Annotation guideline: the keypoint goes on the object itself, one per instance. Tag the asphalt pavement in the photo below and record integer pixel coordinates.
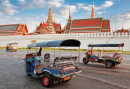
(93, 76)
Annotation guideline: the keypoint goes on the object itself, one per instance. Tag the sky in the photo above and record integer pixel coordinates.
(32, 12)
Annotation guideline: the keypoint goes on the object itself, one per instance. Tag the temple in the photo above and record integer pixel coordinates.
(88, 25)
(13, 29)
(49, 27)
(122, 31)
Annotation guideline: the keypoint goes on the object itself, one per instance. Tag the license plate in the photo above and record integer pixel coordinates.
(67, 78)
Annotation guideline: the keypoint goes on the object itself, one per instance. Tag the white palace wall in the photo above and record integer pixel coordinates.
(85, 39)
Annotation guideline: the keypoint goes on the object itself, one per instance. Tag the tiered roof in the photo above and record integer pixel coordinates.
(88, 25)
(123, 31)
(9, 27)
(13, 29)
(83, 25)
(105, 25)
(89, 22)
(49, 27)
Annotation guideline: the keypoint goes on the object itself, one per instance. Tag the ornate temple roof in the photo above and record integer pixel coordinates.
(48, 27)
(105, 24)
(13, 29)
(88, 25)
(68, 26)
(89, 22)
(9, 27)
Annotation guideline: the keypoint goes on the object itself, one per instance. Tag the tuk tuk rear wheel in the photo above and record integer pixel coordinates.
(85, 60)
(47, 80)
(109, 64)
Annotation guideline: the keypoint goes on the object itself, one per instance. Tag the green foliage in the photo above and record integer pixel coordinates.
(73, 50)
(2, 47)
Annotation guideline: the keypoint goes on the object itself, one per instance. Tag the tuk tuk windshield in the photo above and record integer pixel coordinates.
(31, 51)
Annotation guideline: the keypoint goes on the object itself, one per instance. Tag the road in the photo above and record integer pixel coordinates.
(94, 75)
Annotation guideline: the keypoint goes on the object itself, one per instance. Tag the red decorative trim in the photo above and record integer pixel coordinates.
(104, 31)
(86, 32)
(68, 26)
(86, 29)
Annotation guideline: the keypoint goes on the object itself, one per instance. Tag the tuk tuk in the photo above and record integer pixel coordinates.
(12, 47)
(61, 69)
(109, 61)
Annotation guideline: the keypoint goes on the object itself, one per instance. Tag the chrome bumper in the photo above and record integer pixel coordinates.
(63, 76)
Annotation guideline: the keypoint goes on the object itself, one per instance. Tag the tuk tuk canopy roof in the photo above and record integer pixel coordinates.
(58, 43)
(106, 45)
(12, 43)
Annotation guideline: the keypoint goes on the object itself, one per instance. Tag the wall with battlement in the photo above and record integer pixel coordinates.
(85, 39)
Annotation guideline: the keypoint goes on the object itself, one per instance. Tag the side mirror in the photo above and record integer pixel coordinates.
(24, 58)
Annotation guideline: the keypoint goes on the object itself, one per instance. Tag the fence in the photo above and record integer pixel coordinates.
(85, 39)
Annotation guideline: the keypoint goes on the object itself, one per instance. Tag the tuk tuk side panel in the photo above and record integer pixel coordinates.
(51, 71)
(57, 72)
(112, 59)
(71, 71)
(30, 65)
(86, 55)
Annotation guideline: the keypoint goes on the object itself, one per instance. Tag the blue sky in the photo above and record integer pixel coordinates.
(35, 11)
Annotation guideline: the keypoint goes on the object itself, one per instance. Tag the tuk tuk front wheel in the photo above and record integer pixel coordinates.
(85, 60)
(109, 64)
(47, 80)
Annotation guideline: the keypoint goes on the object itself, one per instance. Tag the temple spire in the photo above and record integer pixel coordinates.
(50, 19)
(93, 13)
(50, 22)
(69, 20)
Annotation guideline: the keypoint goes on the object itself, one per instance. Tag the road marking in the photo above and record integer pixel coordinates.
(106, 69)
(101, 80)
(125, 64)
(3, 55)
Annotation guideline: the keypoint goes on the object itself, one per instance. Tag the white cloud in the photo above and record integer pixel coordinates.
(82, 6)
(89, 7)
(55, 3)
(88, 13)
(42, 15)
(121, 19)
(21, 0)
(101, 12)
(32, 4)
(64, 11)
(61, 14)
(7, 8)
(107, 4)
(32, 22)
